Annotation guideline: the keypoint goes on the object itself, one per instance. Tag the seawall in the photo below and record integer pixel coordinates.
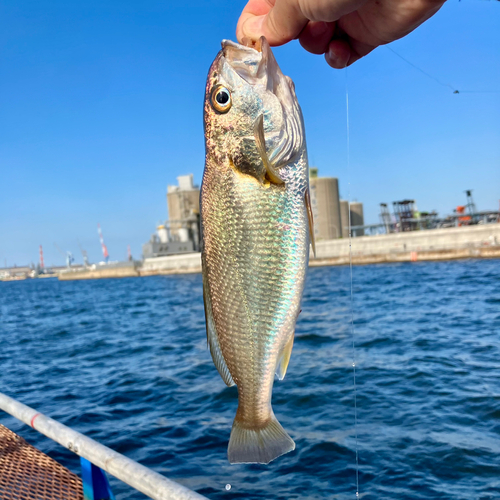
(172, 264)
(125, 270)
(481, 241)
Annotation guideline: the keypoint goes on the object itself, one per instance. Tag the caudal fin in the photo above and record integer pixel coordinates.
(258, 446)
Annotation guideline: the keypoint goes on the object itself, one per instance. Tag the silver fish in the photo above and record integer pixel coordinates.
(256, 229)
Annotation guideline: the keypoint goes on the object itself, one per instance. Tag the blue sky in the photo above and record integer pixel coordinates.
(101, 108)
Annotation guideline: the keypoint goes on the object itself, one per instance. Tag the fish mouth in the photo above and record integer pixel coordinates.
(254, 62)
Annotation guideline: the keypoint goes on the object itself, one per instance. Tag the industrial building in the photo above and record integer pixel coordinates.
(325, 203)
(183, 202)
(331, 214)
(357, 218)
(407, 218)
(181, 232)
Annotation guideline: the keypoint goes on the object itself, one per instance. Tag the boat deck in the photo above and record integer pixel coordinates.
(28, 474)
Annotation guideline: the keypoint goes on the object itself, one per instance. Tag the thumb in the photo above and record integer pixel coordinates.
(281, 24)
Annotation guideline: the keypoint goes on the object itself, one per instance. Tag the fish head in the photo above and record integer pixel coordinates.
(245, 85)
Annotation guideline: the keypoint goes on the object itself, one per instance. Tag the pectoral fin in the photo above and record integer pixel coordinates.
(212, 339)
(260, 142)
(284, 359)
(307, 201)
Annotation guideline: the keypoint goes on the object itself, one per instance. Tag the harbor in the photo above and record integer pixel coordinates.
(250, 252)
(405, 235)
(472, 242)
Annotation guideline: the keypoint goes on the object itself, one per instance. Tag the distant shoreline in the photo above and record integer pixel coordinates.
(459, 243)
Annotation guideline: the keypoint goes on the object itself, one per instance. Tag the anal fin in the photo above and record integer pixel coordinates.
(284, 359)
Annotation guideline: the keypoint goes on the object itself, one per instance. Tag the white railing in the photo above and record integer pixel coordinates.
(141, 478)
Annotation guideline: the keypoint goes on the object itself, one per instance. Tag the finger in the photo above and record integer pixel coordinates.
(338, 54)
(282, 23)
(253, 9)
(316, 36)
(343, 52)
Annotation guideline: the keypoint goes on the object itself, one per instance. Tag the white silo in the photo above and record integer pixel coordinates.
(162, 233)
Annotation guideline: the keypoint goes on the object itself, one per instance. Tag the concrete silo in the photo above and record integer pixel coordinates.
(357, 218)
(344, 218)
(326, 207)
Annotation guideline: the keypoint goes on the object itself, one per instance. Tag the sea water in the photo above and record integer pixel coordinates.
(126, 363)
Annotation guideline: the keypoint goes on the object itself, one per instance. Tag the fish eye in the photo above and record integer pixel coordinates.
(221, 99)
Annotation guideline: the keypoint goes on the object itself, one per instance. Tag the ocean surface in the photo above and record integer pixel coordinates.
(126, 362)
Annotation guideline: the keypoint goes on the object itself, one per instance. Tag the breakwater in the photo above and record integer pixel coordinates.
(481, 241)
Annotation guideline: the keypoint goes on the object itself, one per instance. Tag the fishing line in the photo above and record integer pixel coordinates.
(350, 271)
(421, 70)
(455, 90)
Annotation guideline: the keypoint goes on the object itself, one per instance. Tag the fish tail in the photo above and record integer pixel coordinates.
(253, 445)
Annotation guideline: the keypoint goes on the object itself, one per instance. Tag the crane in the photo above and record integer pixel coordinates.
(84, 255)
(69, 256)
(103, 246)
(42, 265)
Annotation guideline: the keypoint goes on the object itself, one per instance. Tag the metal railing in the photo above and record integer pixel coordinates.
(141, 478)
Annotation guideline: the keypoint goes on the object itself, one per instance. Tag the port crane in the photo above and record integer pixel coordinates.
(68, 256)
(84, 255)
(103, 246)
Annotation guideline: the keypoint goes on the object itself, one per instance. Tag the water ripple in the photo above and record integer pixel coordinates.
(125, 361)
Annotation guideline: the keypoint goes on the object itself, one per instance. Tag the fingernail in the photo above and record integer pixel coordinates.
(336, 60)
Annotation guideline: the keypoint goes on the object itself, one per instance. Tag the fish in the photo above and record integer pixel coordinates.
(257, 228)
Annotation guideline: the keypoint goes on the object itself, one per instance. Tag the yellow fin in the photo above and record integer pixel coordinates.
(258, 445)
(284, 359)
(260, 142)
(212, 339)
(307, 201)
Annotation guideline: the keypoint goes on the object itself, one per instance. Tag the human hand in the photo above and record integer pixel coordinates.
(343, 30)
